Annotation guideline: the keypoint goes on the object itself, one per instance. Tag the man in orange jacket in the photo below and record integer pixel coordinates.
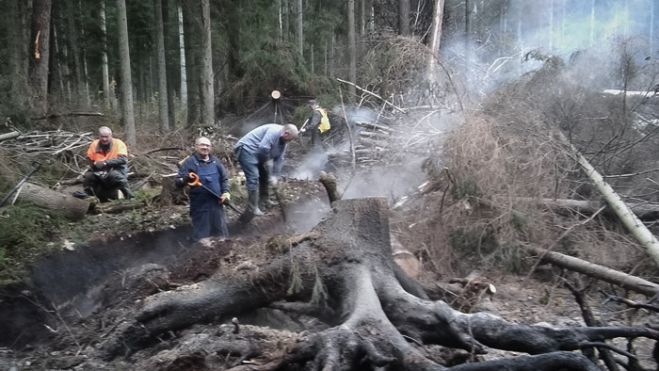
(108, 171)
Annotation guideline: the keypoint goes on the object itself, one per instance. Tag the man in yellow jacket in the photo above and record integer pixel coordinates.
(108, 172)
(318, 123)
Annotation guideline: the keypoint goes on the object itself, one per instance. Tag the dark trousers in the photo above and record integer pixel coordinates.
(208, 220)
(104, 184)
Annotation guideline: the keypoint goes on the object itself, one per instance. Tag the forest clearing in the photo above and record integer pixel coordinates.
(456, 185)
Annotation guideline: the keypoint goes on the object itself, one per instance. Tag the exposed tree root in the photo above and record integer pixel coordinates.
(378, 318)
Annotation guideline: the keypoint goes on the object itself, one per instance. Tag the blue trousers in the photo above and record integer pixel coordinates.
(256, 174)
(208, 221)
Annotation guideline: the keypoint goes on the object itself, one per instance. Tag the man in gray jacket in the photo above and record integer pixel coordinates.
(267, 143)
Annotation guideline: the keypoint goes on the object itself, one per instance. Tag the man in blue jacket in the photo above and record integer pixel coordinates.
(206, 209)
(267, 143)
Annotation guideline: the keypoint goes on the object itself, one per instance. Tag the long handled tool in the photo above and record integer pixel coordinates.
(196, 182)
(20, 183)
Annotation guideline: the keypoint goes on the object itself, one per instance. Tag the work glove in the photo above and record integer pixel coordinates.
(225, 197)
(273, 181)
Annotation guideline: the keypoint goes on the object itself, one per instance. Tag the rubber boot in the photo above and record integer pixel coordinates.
(253, 200)
(126, 191)
(264, 198)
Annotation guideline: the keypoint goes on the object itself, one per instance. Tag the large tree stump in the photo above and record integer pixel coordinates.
(375, 315)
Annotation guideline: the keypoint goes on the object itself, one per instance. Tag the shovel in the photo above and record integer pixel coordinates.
(196, 182)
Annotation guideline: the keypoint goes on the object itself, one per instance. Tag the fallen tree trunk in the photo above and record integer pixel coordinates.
(69, 206)
(645, 211)
(345, 273)
(626, 215)
(606, 274)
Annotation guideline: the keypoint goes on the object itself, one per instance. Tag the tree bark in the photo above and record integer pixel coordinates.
(105, 72)
(600, 272)
(73, 47)
(163, 104)
(299, 28)
(644, 211)
(18, 55)
(352, 50)
(170, 26)
(39, 55)
(633, 224)
(280, 21)
(191, 15)
(404, 17)
(184, 77)
(127, 112)
(207, 88)
(70, 207)
(435, 37)
(343, 272)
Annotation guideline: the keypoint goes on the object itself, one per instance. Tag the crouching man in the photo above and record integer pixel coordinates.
(108, 172)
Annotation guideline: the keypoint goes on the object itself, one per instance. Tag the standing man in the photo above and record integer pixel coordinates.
(258, 149)
(108, 172)
(317, 123)
(206, 198)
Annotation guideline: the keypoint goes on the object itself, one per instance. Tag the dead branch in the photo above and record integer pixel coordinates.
(373, 94)
(10, 135)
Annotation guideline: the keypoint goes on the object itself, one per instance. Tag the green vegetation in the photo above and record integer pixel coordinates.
(24, 235)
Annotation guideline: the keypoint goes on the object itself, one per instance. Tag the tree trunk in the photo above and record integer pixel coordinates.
(184, 78)
(286, 15)
(370, 16)
(299, 35)
(362, 18)
(84, 73)
(343, 273)
(170, 26)
(233, 35)
(56, 65)
(73, 46)
(404, 17)
(191, 22)
(18, 57)
(207, 91)
(435, 37)
(600, 272)
(39, 55)
(107, 101)
(127, 113)
(70, 207)
(633, 224)
(644, 210)
(280, 21)
(352, 50)
(163, 104)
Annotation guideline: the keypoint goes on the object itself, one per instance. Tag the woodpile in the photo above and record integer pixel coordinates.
(51, 142)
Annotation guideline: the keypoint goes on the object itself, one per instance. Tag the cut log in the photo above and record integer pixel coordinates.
(70, 207)
(606, 274)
